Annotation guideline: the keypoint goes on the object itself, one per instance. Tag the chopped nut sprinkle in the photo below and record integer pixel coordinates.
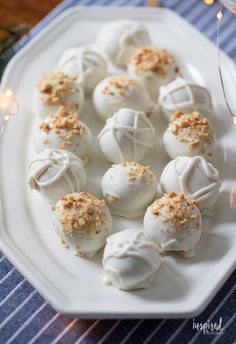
(55, 86)
(121, 83)
(111, 198)
(139, 172)
(81, 211)
(64, 124)
(154, 60)
(193, 129)
(177, 209)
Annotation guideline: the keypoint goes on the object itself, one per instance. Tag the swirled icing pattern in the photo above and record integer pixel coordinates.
(86, 63)
(184, 95)
(194, 177)
(55, 172)
(139, 133)
(130, 260)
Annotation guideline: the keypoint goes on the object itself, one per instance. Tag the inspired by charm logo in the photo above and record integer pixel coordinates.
(208, 327)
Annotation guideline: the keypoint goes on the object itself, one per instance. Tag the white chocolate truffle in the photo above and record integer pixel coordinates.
(130, 260)
(54, 90)
(184, 96)
(129, 188)
(86, 63)
(127, 136)
(153, 68)
(119, 39)
(83, 223)
(189, 134)
(174, 223)
(55, 173)
(116, 92)
(64, 130)
(195, 178)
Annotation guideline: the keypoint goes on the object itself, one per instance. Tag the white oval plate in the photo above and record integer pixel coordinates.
(72, 285)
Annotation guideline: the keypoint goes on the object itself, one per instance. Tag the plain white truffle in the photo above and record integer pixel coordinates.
(174, 223)
(128, 189)
(56, 172)
(116, 92)
(194, 177)
(189, 135)
(82, 222)
(64, 130)
(54, 90)
(184, 95)
(130, 260)
(86, 63)
(153, 68)
(127, 136)
(118, 40)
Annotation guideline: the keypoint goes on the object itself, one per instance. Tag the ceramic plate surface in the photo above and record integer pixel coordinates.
(73, 286)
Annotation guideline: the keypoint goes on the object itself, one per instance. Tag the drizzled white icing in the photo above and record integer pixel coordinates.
(190, 94)
(86, 63)
(134, 134)
(70, 174)
(119, 39)
(126, 250)
(207, 175)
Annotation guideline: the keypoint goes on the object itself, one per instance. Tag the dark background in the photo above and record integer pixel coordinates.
(13, 12)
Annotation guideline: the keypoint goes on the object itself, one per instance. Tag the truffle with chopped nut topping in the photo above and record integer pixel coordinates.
(153, 68)
(119, 39)
(86, 63)
(56, 172)
(129, 188)
(127, 136)
(64, 130)
(195, 178)
(184, 95)
(116, 92)
(130, 260)
(189, 134)
(174, 223)
(83, 222)
(54, 90)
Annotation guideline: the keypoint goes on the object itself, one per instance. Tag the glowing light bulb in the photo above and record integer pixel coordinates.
(8, 93)
(8, 104)
(209, 2)
(219, 15)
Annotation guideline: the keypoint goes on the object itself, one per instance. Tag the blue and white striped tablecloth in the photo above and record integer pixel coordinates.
(25, 317)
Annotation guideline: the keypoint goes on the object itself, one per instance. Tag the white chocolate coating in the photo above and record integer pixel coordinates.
(54, 90)
(130, 260)
(170, 238)
(83, 241)
(79, 144)
(114, 93)
(184, 95)
(56, 172)
(179, 144)
(194, 177)
(86, 63)
(129, 189)
(118, 40)
(127, 136)
(152, 76)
